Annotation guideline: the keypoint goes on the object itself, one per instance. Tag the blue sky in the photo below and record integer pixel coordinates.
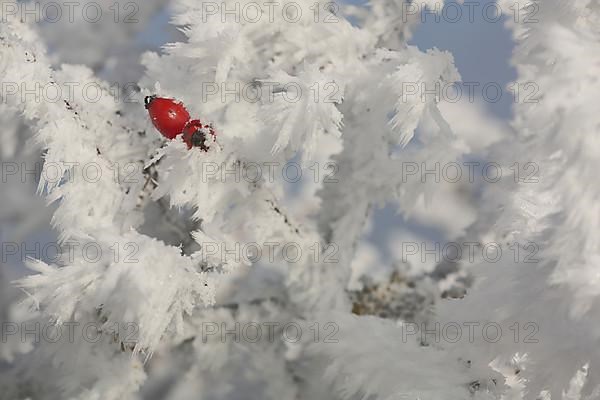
(481, 49)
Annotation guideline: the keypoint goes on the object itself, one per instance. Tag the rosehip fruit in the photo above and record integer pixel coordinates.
(167, 115)
(196, 135)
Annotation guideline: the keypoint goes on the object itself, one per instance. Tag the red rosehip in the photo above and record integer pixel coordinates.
(168, 115)
(195, 134)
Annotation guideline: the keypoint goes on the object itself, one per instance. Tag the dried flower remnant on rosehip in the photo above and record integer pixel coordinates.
(195, 134)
